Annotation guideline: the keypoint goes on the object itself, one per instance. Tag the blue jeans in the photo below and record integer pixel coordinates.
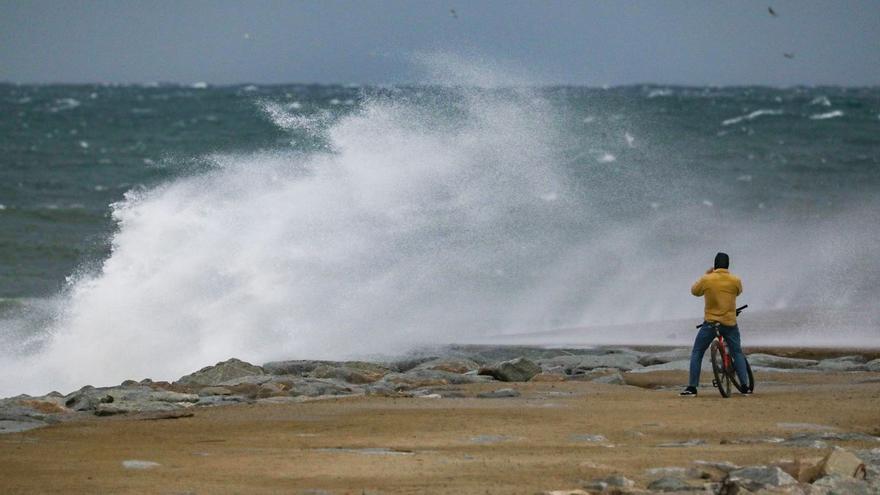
(704, 340)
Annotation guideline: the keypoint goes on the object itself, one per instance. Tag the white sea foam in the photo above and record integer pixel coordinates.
(827, 115)
(606, 158)
(751, 116)
(821, 100)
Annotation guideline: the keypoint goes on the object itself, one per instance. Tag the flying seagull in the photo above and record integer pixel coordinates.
(788, 55)
(453, 13)
(772, 12)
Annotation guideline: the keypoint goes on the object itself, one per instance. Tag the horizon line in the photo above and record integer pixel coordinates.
(205, 85)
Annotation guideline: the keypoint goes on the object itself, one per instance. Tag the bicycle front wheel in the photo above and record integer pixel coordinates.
(722, 378)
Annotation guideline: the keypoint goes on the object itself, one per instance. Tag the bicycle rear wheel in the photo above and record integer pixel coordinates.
(748, 387)
(722, 378)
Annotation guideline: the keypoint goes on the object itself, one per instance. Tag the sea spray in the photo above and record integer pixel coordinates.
(439, 214)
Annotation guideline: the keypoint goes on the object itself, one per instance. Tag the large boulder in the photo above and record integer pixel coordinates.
(316, 387)
(358, 373)
(451, 365)
(621, 360)
(114, 400)
(294, 367)
(754, 478)
(515, 370)
(841, 462)
(873, 365)
(771, 361)
(650, 359)
(26, 413)
(845, 363)
(426, 378)
(842, 485)
(221, 372)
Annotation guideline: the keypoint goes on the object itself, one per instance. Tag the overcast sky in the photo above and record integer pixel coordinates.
(581, 42)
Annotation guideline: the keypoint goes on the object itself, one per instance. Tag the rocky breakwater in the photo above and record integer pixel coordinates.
(440, 372)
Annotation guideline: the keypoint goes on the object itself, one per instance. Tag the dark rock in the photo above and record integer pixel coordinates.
(174, 414)
(515, 370)
(499, 394)
(674, 484)
(221, 372)
(222, 400)
(207, 391)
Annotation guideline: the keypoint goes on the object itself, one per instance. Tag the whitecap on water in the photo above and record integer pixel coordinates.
(744, 178)
(751, 116)
(606, 158)
(655, 93)
(821, 100)
(199, 85)
(827, 115)
(630, 140)
(706, 202)
(63, 104)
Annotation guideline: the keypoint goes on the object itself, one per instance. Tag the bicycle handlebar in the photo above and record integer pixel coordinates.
(738, 311)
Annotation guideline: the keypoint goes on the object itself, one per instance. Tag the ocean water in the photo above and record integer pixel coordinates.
(149, 230)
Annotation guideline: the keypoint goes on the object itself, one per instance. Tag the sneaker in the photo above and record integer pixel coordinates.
(689, 392)
(746, 393)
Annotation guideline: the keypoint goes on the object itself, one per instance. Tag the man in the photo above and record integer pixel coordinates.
(720, 288)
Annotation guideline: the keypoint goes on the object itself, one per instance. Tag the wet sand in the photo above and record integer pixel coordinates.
(527, 444)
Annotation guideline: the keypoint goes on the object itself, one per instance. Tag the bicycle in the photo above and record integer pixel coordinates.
(722, 364)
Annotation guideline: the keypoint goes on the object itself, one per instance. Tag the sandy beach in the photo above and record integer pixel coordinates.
(556, 435)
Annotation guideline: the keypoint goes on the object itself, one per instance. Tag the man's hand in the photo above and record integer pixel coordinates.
(710, 270)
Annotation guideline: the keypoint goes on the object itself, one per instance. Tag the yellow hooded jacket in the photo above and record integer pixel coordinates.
(720, 288)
